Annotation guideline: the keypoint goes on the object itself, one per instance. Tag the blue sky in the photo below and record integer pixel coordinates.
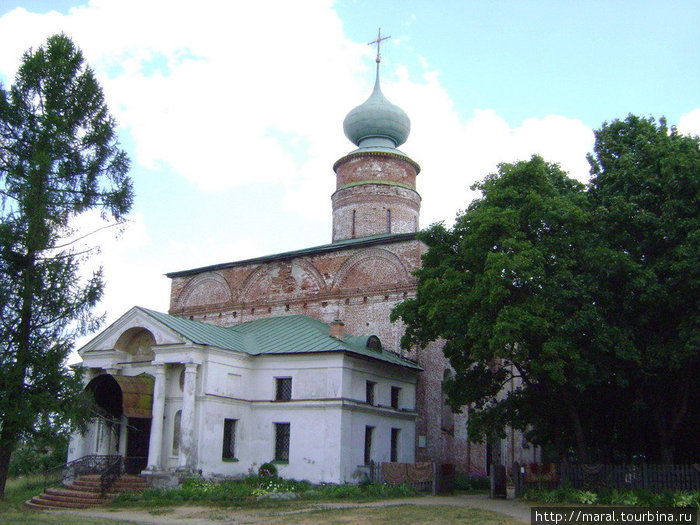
(232, 111)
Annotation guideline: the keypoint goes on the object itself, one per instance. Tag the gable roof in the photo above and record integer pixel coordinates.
(290, 334)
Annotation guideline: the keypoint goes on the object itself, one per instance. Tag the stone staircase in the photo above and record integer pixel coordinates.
(84, 492)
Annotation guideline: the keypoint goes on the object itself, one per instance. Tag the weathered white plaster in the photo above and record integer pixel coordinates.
(327, 413)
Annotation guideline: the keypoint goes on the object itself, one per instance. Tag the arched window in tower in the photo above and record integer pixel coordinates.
(388, 221)
(448, 417)
(354, 212)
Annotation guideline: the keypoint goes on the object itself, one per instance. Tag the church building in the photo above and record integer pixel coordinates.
(291, 357)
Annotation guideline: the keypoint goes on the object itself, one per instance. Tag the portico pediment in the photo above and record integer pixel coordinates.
(134, 320)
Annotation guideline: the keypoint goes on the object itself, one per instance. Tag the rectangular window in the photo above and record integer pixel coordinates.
(395, 396)
(283, 388)
(369, 392)
(368, 444)
(281, 441)
(176, 433)
(395, 444)
(229, 449)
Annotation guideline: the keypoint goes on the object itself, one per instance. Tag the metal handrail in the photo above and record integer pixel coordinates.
(110, 475)
(90, 464)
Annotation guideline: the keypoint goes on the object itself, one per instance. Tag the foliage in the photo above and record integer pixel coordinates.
(267, 470)
(570, 312)
(506, 291)
(39, 455)
(644, 192)
(253, 489)
(641, 498)
(464, 482)
(59, 157)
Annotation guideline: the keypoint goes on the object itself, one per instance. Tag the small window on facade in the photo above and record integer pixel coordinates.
(388, 221)
(369, 392)
(368, 444)
(229, 450)
(176, 432)
(395, 396)
(395, 444)
(281, 441)
(283, 388)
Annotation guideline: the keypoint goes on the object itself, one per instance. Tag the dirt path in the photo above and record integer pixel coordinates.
(215, 515)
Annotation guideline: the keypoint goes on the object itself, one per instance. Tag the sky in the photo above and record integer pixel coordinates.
(231, 112)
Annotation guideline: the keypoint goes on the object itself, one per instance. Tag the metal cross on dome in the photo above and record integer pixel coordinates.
(378, 41)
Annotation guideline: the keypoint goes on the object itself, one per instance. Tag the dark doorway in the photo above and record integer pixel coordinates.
(137, 438)
(130, 396)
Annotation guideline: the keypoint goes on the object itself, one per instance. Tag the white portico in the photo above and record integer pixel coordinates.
(178, 396)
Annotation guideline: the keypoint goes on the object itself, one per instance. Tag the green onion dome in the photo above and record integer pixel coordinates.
(377, 122)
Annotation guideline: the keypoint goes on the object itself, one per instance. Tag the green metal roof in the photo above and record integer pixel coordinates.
(363, 242)
(290, 334)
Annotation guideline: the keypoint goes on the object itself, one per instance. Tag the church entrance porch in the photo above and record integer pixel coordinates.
(123, 424)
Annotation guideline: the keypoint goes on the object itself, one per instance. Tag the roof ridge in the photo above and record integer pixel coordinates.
(281, 334)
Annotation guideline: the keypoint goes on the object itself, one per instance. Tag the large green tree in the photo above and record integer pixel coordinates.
(645, 192)
(509, 289)
(581, 302)
(59, 157)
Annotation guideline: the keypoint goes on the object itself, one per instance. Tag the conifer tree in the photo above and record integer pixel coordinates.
(59, 157)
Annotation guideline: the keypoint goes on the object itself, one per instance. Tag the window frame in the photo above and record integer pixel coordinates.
(394, 447)
(228, 453)
(395, 397)
(281, 393)
(370, 392)
(369, 431)
(283, 431)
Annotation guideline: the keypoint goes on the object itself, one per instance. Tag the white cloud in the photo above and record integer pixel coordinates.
(689, 123)
(227, 95)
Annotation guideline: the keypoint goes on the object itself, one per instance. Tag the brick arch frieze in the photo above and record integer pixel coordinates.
(205, 289)
(283, 279)
(374, 267)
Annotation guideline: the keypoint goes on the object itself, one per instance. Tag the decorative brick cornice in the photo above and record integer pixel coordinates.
(377, 181)
(385, 154)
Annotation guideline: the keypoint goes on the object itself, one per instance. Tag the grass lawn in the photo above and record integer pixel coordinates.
(14, 512)
(409, 514)
(311, 510)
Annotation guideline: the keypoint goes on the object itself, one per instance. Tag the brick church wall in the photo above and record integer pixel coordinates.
(360, 286)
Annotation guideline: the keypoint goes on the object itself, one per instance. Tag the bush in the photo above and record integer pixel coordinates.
(642, 498)
(38, 457)
(253, 489)
(465, 482)
(361, 492)
(268, 470)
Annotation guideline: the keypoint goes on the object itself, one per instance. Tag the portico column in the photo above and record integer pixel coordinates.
(187, 427)
(156, 441)
(122, 435)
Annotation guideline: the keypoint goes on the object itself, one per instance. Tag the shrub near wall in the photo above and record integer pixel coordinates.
(254, 489)
(619, 497)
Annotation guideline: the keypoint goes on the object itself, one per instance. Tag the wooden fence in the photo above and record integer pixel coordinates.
(655, 478)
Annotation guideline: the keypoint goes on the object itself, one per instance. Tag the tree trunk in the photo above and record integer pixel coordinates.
(6, 446)
(578, 433)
